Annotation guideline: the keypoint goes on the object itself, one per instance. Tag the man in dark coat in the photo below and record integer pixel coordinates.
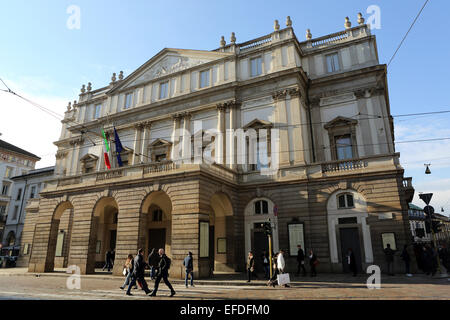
(153, 260)
(389, 254)
(138, 273)
(163, 273)
(406, 259)
(351, 262)
(108, 263)
(188, 264)
(301, 260)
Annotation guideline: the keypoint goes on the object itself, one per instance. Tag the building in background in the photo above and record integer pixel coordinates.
(25, 192)
(444, 235)
(14, 161)
(336, 182)
(417, 225)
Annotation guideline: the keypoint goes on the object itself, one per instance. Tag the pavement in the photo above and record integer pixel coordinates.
(17, 283)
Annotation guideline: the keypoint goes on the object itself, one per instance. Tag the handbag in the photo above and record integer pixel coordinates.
(125, 271)
(283, 279)
(315, 263)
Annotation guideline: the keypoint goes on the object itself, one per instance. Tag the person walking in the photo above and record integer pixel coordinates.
(138, 273)
(188, 263)
(163, 273)
(300, 260)
(444, 255)
(108, 257)
(266, 264)
(281, 264)
(273, 281)
(129, 270)
(153, 260)
(313, 262)
(251, 266)
(351, 262)
(389, 255)
(406, 259)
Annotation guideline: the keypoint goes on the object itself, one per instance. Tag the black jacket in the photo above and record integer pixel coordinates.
(300, 255)
(138, 266)
(163, 264)
(153, 258)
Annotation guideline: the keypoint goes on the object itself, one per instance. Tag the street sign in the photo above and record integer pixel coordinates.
(426, 197)
(429, 210)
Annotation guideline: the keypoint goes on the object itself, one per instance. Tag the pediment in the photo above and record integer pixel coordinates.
(340, 122)
(168, 61)
(257, 123)
(89, 157)
(160, 142)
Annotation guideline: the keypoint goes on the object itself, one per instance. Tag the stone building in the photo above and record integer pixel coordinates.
(326, 175)
(14, 161)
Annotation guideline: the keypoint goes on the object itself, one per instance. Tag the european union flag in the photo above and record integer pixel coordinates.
(119, 147)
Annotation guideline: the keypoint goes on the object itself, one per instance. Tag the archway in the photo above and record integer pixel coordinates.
(221, 235)
(157, 222)
(11, 239)
(104, 232)
(53, 244)
(258, 211)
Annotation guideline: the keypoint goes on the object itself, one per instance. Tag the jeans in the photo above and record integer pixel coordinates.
(163, 276)
(127, 280)
(191, 272)
(266, 271)
(152, 272)
(141, 280)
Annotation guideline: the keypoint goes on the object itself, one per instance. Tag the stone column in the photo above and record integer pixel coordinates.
(145, 139)
(281, 123)
(186, 137)
(220, 152)
(137, 144)
(77, 144)
(297, 141)
(175, 138)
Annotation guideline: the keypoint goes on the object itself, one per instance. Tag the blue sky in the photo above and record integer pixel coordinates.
(47, 62)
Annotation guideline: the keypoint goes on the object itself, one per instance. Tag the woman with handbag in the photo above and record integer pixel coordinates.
(313, 262)
(127, 271)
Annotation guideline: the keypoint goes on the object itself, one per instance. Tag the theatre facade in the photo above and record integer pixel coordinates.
(324, 171)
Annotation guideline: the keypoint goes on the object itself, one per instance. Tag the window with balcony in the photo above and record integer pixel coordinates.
(8, 172)
(19, 194)
(342, 135)
(163, 90)
(204, 78)
(255, 66)
(258, 144)
(89, 163)
(332, 62)
(159, 150)
(97, 110)
(345, 201)
(343, 147)
(128, 98)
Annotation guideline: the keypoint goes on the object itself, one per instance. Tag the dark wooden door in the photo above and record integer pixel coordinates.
(260, 244)
(112, 239)
(211, 249)
(157, 239)
(350, 239)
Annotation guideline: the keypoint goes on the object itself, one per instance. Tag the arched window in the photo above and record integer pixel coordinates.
(345, 201)
(157, 214)
(11, 239)
(261, 207)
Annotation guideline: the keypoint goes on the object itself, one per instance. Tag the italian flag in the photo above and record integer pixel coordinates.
(107, 163)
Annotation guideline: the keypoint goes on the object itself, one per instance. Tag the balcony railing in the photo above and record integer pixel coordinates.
(255, 43)
(407, 182)
(330, 39)
(158, 167)
(343, 165)
(109, 175)
(68, 181)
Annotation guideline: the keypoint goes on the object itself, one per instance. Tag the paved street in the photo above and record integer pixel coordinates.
(18, 285)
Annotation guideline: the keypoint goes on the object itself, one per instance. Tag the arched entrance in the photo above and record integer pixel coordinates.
(258, 211)
(157, 222)
(10, 239)
(219, 234)
(53, 244)
(104, 231)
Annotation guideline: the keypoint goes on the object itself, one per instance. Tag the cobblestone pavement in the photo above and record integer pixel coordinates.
(17, 285)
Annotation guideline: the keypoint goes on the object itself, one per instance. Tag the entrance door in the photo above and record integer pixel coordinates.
(350, 239)
(260, 243)
(157, 239)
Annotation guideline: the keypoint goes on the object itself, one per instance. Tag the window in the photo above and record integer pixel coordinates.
(157, 215)
(344, 147)
(5, 189)
(97, 110)
(16, 211)
(60, 244)
(19, 194)
(296, 237)
(32, 192)
(160, 157)
(332, 62)
(345, 201)
(261, 207)
(8, 172)
(350, 220)
(163, 89)
(204, 79)
(2, 209)
(204, 240)
(255, 66)
(128, 97)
